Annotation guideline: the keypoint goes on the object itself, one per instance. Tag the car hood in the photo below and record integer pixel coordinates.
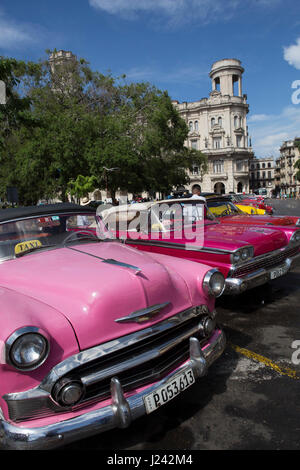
(91, 293)
(225, 236)
(258, 220)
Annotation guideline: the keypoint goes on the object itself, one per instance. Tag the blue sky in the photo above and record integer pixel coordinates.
(172, 44)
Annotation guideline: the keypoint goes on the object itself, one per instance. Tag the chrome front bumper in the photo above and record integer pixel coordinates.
(119, 414)
(234, 286)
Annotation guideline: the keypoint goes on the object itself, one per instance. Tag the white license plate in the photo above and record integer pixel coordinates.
(177, 384)
(278, 272)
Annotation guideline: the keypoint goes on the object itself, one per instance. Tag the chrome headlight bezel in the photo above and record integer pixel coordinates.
(208, 283)
(295, 238)
(242, 255)
(31, 334)
(298, 222)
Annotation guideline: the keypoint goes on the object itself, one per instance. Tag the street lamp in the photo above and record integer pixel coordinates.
(107, 170)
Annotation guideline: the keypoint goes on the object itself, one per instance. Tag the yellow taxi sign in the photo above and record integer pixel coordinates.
(28, 245)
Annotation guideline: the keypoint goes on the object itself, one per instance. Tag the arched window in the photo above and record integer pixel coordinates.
(220, 121)
(219, 188)
(191, 125)
(212, 122)
(240, 187)
(235, 120)
(196, 127)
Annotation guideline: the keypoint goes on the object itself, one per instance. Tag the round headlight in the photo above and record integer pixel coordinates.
(214, 283)
(295, 237)
(236, 257)
(28, 351)
(245, 254)
(209, 325)
(68, 392)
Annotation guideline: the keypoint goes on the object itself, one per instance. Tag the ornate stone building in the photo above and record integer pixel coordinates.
(262, 174)
(218, 127)
(285, 177)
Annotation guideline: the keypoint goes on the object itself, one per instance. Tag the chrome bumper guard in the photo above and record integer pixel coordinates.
(119, 414)
(238, 285)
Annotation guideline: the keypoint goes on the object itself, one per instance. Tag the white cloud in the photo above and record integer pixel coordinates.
(179, 11)
(292, 54)
(259, 117)
(14, 35)
(268, 135)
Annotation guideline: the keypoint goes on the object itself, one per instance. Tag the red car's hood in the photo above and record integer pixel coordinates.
(258, 220)
(228, 237)
(232, 237)
(91, 293)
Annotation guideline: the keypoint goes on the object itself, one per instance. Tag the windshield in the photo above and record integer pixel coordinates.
(173, 216)
(159, 217)
(27, 235)
(238, 198)
(223, 208)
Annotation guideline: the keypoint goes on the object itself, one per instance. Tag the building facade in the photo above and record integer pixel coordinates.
(285, 175)
(218, 128)
(262, 174)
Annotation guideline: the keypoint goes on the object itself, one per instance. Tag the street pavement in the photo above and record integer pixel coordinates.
(250, 398)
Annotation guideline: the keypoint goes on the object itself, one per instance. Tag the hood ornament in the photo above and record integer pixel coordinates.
(142, 315)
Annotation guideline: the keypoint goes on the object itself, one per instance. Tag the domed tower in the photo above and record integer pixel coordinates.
(218, 128)
(225, 75)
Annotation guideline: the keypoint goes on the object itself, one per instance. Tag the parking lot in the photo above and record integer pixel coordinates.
(250, 397)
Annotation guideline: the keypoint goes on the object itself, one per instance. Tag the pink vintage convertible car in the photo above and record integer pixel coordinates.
(247, 256)
(93, 333)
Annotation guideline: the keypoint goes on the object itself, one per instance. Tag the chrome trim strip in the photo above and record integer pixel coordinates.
(96, 352)
(264, 256)
(178, 246)
(149, 354)
(120, 413)
(257, 278)
(144, 314)
(106, 260)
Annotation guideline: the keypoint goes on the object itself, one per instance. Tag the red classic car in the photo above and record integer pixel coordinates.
(228, 213)
(247, 256)
(247, 200)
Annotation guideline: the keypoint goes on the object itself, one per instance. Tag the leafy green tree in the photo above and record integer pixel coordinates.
(82, 186)
(144, 139)
(14, 112)
(75, 123)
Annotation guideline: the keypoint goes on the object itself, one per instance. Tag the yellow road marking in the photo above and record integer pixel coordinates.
(257, 357)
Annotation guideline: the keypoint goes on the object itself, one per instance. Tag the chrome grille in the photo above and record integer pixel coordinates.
(139, 364)
(266, 262)
(139, 359)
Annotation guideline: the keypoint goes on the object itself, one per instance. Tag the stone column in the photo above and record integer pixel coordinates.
(240, 86)
(2, 92)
